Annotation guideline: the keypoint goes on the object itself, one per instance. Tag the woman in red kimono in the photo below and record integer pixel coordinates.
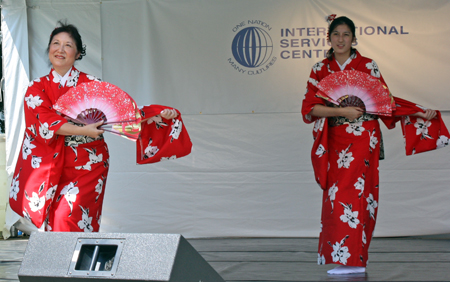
(61, 173)
(346, 155)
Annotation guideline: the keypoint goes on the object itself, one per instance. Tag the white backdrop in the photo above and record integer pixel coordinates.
(250, 172)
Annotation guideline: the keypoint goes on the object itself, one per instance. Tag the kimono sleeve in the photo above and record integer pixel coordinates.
(42, 121)
(402, 108)
(310, 99)
(161, 139)
(424, 135)
(420, 135)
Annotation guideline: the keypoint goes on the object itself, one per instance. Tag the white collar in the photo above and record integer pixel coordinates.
(63, 79)
(344, 64)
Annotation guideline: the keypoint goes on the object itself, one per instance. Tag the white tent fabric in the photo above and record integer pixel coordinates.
(15, 73)
(249, 173)
(16, 77)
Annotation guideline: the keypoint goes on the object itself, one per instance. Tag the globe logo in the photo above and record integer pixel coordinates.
(252, 47)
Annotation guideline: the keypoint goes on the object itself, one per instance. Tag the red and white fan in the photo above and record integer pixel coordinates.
(94, 101)
(352, 88)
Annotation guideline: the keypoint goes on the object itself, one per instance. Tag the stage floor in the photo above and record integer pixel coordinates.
(295, 259)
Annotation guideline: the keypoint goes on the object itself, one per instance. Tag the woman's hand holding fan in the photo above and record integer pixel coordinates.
(156, 140)
(96, 101)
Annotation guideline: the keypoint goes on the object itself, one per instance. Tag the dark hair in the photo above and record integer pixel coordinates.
(336, 22)
(73, 32)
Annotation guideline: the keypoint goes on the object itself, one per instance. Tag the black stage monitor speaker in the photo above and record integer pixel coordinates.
(71, 257)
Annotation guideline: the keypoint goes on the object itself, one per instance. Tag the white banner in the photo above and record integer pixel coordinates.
(189, 53)
(250, 172)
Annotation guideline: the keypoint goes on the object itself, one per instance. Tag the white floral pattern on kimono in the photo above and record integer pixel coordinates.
(422, 128)
(33, 102)
(27, 147)
(150, 151)
(51, 192)
(332, 194)
(372, 205)
(99, 188)
(158, 120)
(14, 188)
(345, 158)
(320, 151)
(85, 222)
(350, 216)
(442, 141)
(355, 128)
(36, 202)
(168, 158)
(359, 185)
(340, 252)
(317, 67)
(36, 161)
(45, 132)
(69, 192)
(374, 69)
(93, 159)
(177, 126)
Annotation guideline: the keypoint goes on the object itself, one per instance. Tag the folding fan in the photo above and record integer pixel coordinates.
(94, 101)
(358, 89)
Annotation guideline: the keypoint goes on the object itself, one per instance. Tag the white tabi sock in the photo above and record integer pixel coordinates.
(344, 269)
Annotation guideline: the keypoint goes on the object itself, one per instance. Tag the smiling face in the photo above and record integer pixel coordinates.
(341, 39)
(62, 52)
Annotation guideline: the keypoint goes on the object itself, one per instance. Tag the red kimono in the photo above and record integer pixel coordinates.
(60, 180)
(345, 158)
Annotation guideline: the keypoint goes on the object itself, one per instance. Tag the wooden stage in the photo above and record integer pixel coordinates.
(294, 259)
